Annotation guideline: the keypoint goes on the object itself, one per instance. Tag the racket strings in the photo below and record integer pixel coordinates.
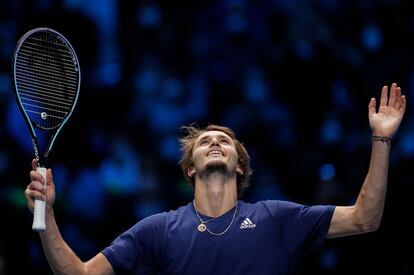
(44, 86)
(47, 79)
(50, 70)
(46, 96)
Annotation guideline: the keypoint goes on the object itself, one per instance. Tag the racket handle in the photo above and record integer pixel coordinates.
(39, 221)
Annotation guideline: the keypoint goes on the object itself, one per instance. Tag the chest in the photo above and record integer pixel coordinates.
(248, 244)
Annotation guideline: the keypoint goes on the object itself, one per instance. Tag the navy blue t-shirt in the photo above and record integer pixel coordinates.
(266, 237)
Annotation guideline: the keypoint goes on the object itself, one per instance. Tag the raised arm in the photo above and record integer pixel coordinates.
(60, 256)
(365, 215)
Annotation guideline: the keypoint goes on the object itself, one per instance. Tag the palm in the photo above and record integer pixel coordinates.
(386, 121)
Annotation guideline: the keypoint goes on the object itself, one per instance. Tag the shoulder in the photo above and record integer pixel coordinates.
(288, 208)
(161, 220)
(262, 205)
(261, 208)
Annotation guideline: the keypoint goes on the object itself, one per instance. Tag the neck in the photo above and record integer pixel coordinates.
(215, 194)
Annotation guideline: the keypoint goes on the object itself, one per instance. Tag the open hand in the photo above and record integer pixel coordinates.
(386, 121)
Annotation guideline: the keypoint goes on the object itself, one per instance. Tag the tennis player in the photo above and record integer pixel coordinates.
(217, 233)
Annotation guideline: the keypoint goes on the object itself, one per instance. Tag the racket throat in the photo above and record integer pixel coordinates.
(45, 158)
(41, 160)
(38, 157)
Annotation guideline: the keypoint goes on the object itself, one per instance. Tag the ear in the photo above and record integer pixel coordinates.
(191, 171)
(239, 170)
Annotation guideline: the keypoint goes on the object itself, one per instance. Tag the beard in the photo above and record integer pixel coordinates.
(217, 168)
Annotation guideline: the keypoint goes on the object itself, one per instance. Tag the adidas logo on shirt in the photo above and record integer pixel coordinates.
(247, 223)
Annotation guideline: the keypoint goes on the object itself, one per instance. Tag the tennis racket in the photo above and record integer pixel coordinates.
(46, 80)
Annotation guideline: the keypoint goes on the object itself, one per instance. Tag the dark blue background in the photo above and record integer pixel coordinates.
(292, 78)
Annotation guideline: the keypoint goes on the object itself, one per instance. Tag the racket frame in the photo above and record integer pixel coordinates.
(39, 223)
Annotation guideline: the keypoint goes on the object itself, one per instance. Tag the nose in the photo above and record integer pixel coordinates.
(214, 141)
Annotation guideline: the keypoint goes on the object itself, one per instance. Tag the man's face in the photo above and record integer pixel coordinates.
(214, 151)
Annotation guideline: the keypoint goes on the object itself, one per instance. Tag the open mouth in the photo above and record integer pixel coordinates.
(215, 153)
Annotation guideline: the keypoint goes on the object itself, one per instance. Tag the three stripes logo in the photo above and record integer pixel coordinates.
(247, 223)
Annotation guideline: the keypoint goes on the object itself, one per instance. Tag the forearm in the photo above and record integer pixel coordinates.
(369, 206)
(60, 256)
(365, 215)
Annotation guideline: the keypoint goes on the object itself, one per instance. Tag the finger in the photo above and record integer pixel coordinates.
(31, 194)
(384, 96)
(30, 204)
(34, 164)
(36, 185)
(29, 199)
(392, 95)
(36, 176)
(403, 104)
(49, 177)
(371, 107)
(398, 100)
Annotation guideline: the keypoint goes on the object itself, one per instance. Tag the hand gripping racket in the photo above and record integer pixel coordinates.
(46, 80)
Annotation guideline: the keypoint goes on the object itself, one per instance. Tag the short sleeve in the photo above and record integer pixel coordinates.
(139, 249)
(303, 227)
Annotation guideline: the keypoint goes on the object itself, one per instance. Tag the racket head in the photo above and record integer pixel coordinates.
(46, 78)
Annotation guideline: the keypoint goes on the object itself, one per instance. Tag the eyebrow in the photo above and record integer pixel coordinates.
(209, 136)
